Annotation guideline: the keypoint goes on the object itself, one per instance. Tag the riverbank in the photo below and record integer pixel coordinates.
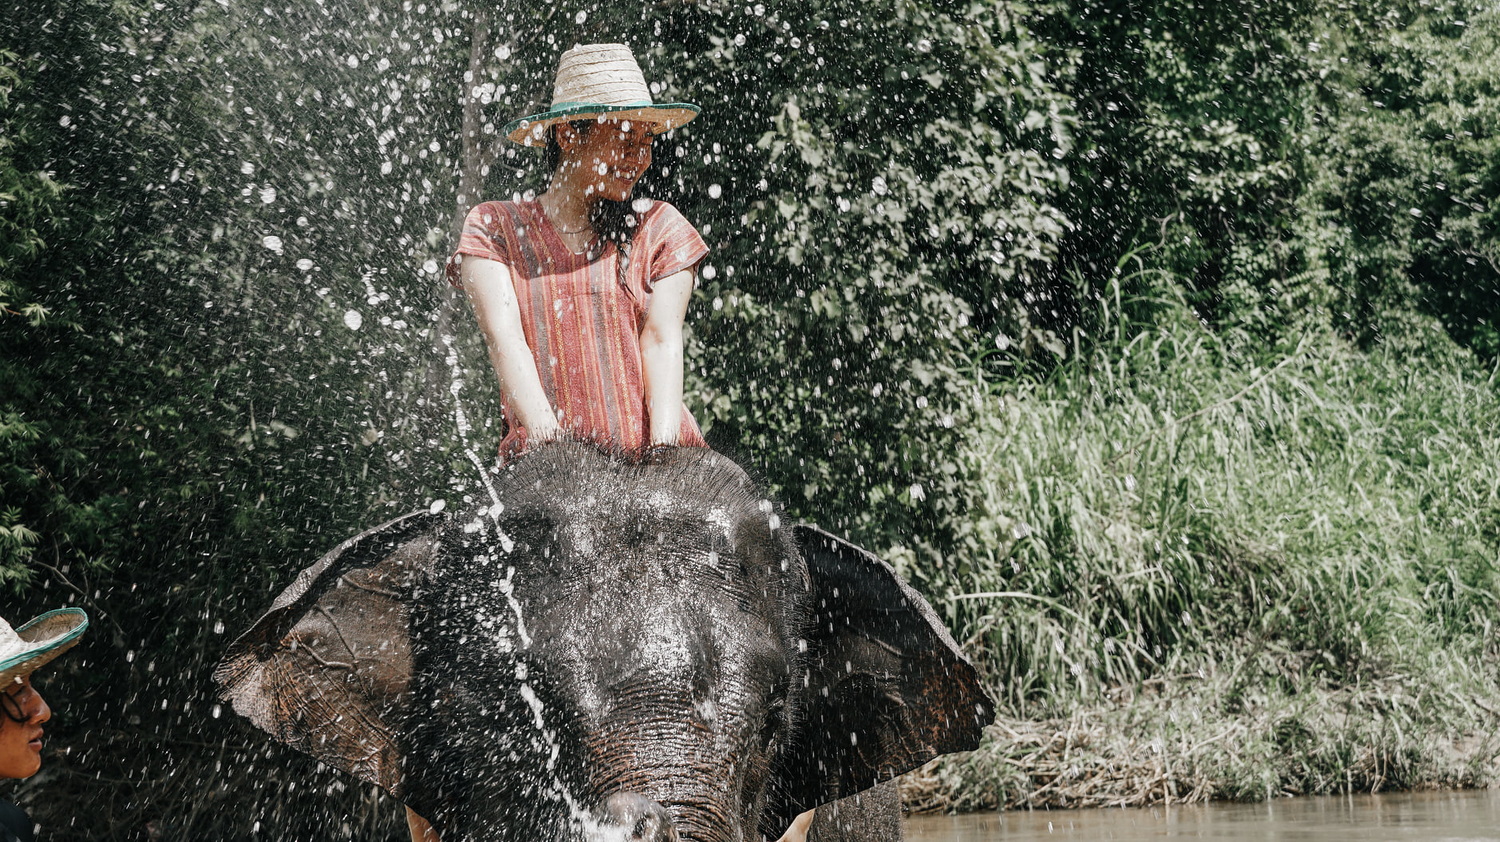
(1470, 816)
(1185, 745)
(1204, 566)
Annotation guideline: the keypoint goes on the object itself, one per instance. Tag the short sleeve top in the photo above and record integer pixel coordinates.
(582, 315)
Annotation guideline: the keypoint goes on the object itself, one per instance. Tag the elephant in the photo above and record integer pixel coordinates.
(611, 645)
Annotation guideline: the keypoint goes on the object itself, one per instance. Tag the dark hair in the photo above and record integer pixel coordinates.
(614, 221)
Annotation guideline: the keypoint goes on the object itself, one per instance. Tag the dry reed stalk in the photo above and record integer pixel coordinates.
(1135, 755)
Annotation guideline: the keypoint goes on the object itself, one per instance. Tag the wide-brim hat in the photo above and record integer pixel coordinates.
(594, 80)
(23, 650)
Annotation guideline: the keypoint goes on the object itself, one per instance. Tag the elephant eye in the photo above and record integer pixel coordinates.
(774, 722)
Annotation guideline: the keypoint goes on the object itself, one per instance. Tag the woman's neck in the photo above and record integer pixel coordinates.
(565, 203)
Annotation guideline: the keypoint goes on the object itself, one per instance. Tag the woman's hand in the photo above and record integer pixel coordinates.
(798, 830)
(499, 315)
(661, 355)
(421, 831)
(543, 436)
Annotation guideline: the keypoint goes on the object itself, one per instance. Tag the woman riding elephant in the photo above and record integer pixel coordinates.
(581, 292)
(23, 651)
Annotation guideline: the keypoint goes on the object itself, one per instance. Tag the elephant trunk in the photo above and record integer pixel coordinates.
(631, 817)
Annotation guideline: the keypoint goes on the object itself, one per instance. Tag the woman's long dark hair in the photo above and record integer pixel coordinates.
(614, 221)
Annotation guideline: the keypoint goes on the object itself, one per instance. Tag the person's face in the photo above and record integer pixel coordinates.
(612, 156)
(24, 711)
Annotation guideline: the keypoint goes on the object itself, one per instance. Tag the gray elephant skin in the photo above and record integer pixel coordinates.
(612, 647)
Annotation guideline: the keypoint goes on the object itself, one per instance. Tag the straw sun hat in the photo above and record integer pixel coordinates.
(596, 79)
(25, 649)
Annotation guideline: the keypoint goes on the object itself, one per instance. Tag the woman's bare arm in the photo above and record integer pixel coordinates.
(797, 832)
(499, 314)
(661, 355)
(420, 830)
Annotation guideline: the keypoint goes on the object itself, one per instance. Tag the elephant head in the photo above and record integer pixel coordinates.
(607, 646)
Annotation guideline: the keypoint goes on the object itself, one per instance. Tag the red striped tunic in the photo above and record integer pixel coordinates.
(581, 322)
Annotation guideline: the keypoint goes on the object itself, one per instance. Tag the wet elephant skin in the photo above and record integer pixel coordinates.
(624, 647)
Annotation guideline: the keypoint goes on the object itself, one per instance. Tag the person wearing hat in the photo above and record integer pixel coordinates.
(581, 291)
(22, 651)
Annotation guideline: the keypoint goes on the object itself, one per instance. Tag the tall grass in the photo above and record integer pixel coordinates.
(1181, 530)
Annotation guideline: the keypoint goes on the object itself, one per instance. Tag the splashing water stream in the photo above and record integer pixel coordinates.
(547, 737)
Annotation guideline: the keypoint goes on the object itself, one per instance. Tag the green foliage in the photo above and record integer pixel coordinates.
(190, 413)
(1159, 507)
(1193, 119)
(868, 224)
(1407, 181)
(1279, 577)
(1299, 164)
(27, 198)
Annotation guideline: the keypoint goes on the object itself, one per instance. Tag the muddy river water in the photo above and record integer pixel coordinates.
(1427, 816)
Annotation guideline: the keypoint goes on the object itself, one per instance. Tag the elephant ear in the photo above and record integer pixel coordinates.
(327, 669)
(887, 688)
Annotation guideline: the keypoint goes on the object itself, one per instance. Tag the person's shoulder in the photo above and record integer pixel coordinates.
(659, 213)
(11, 815)
(14, 823)
(499, 206)
(650, 208)
(497, 215)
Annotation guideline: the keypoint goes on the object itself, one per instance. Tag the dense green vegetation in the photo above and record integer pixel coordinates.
(1155, 341)
(1226, 579)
